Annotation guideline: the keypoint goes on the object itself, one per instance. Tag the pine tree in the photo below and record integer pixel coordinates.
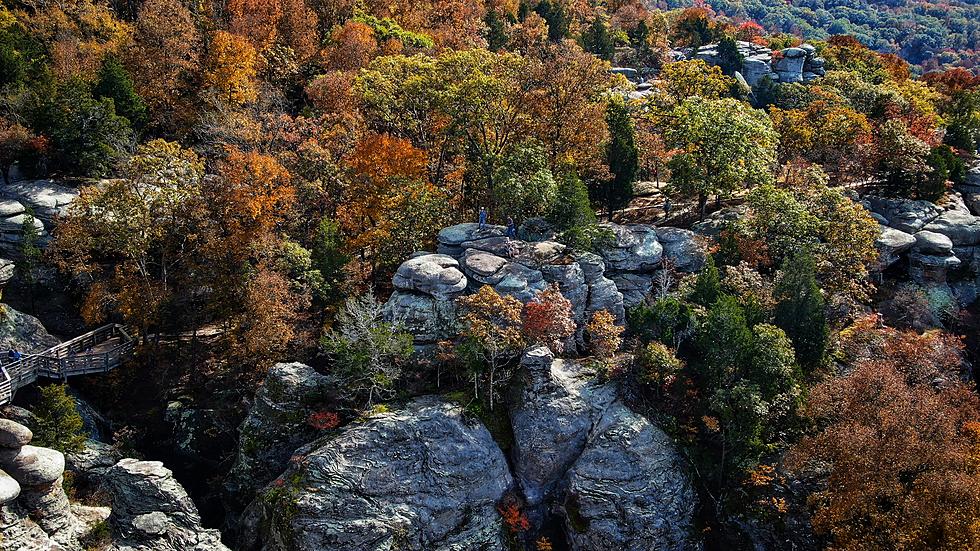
(800, 310)
(496, 31)
(622, 156)
(30, 254)
(115, 83)
(730, 60)
(598, 40)
(59, 425)
(707, 289)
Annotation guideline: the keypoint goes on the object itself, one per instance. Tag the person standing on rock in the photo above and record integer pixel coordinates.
(483, 217)
(511, 228)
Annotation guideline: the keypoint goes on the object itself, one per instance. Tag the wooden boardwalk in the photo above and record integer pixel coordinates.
(98, 351)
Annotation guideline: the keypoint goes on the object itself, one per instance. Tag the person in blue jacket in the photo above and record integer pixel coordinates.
(511, 228)
(483, 217)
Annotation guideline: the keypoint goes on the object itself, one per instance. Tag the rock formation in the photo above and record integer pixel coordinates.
(421, 478)
(23, 332)
(275, 426)
(152, 512)
(469, 257)
(618, 479)
(799, 64)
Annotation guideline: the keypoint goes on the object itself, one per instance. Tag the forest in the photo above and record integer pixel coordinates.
(489, 274)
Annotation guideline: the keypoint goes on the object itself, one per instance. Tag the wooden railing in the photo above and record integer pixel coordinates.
(89, 353)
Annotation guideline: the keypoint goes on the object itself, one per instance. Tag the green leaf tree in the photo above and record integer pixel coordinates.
(724, 146)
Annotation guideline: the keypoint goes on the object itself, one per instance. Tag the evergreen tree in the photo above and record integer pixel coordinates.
(571, 208)
(800, 309)
(29, 263)
(707, 288)
(59, 425)
(114, 83)
(496, 31)
(765, 93)
(598, 40)
(557, 18)
(724, 342)
(729, 59)
(622, 156)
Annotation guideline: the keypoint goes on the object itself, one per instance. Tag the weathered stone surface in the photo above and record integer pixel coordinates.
(619, 479)
(19, 533)
(432, 274)
(422, 478)
(558, 406)
(13, 434)
(927, 242)
(903, 214)
(451, 238)
(890, 244)
(22, 332)
(9, 488)
(7, 270)
(152, 511)
(962, 228)
(92, 461)
(275, 426)
(634, 287)
(48, 506)
(483, 266)
(47, 198)
(628, 489)
(427, 318)
(33, 466)
(682, 248)
(635, 249)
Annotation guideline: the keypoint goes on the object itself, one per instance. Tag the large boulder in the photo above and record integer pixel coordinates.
(927, 242)
(962, 228)
(436, 275)
(635, 248)
(558, 406)
(628, 489)
(903, 214)
(450, 239)
(46, 198)
(682, 249)
(23, 332)
(151, 511)
(421, 478)
(891, 244)
(275, 426)
(620, 481)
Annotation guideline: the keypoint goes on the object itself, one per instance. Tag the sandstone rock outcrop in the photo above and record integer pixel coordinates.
(619, 479)
(798, 64)
(421, 478)
(23, 332)
(151, 511)
(275, 426)
(468, 257)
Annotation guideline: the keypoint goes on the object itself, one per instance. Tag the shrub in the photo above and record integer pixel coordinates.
(59, 425)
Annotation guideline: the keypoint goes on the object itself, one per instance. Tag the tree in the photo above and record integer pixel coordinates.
(367, 352)
(114, 83)
(256, 20)
(229, 69)
(836, 137)
(729, 58)
(59, 426)
(571, 212)
(901, 159)
(86, 133)
(622, 157)
(659, 366)
(496, 32)
(694, 77)
(525, 185)
(900, 457)
(707, 287)
(17, 144)
(603, 334)
(694, 28)
(28, 266)
(800, 310)
(491, 327)
(163, 60)
(724, 342)
(723, 145)
(547, 319)
(143, 221)
(557, 17)
(597, 39)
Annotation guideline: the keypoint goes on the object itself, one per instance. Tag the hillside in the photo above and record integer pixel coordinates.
(927, 34)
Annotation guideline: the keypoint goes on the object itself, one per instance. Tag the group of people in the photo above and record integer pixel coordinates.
(511, 226)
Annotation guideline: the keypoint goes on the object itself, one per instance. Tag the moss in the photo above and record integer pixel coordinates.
(98, 538)
(281, 501)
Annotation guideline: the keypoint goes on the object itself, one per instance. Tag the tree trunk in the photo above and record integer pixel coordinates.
(702, 205)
